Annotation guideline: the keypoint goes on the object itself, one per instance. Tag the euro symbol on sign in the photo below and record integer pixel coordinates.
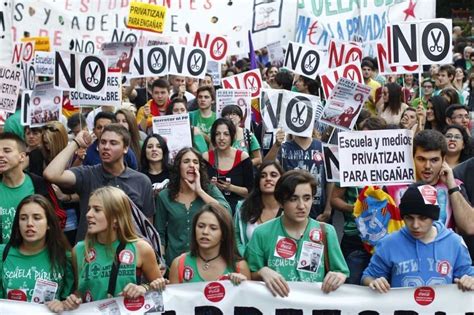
(195, 65)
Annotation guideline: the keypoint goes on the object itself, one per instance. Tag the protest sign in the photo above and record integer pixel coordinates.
(294, 112)
(119, 55)
(10, 81)
(214, 69)
(158, 40)
(25, 118)
(331, 162)
(384, 65)
(176, 130)
(345, 103)
(240, 98)
(79, 72)
(304, 60)
(44, 64)
(29, 75)
(215, 46)
(113, 95)
(254, 298)
(350, 71)
(150, 62)
(340, 53)
(23, 51)
(147, 17)
(381, 157)
(250, 80)
(6, 19)
(45, 104)
(41, 43)
(276, 54)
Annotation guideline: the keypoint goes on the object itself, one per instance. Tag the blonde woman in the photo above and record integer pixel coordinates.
(106, 263)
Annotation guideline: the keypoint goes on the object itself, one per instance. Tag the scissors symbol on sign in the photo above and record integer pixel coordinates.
(92, 78)
(309, 66)
(435, 45)
(157, 63)
(299, 113)
(195, 65)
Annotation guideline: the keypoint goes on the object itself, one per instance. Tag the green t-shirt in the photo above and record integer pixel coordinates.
(204, 124)
(272, 247)
(20, 274)
(200, 144)
(350, 196)
(13, 124)
(9, 200)
(191, 270)
(94, 273)
(242, 144)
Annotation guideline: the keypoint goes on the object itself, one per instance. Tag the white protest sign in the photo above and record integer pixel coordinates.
(384, 65)
(44, 64)
(113, 95)
(250, 80)
(45, 104)
(217, 47)
(331, 162)
(340, 53)
(176, 130)
(79, 72)
(158, 40)
(119, 55)
(350, 71)
(214, 69)
(150, 62)
(23, 51)
(10, 81)
(29, 75)
(276, 54)
(401, 40)
(304, 60)
(240, 98)
(379, 157)
(187, 61)
(345, 103)
(270, 108)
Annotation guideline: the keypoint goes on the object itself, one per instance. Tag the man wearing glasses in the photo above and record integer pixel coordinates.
(458, 114)
(427, 87)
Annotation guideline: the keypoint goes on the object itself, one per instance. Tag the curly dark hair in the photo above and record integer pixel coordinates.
(175, 174)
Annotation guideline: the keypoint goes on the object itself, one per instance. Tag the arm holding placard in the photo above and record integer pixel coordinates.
(279, 138)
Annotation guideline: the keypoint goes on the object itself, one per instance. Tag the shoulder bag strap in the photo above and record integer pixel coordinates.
(114, 270)
(5, 251)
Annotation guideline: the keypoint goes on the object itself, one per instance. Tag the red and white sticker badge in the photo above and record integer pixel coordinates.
(285, 248)
(126, 257)
(214, 292)
(424, 295)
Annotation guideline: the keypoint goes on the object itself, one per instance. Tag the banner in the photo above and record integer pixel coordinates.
(113, 94)
(350, 71)
(176, 130)
(250, 80)
(6, 18)
(331, 162)
(250, 296)
(304, 60)
(294, 112)
(345, 103)
(23, 52)
(240, 98)
(45, 105)
(381, 157)
(146, 17)
(10, 80)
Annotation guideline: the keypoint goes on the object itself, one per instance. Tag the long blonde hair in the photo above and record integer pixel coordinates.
(116, 206)
(55, 134)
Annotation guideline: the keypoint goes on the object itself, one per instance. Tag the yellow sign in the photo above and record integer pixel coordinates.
(41, 43)
(147, 17)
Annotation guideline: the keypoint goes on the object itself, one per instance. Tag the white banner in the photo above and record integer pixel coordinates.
(381, 157)
(240, 98)
(176, 130)
(224, 298)
(10, 80)
(45, 104)
(113, 94)
(6, 18)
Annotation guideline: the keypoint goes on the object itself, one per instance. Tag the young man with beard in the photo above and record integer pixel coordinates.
(156, 106)
(113, 145)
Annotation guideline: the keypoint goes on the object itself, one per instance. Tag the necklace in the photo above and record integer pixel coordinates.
(207, 261)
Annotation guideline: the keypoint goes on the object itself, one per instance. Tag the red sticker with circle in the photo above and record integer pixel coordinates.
(424, 295)
(134, 304)
(126, 257)
(188, 273)
(443, 267)
(214, 292)
(429, 194)
(17, 295)
(91, 255)
(285, 248)
(317, 157)
(315, 235)
(36, 101)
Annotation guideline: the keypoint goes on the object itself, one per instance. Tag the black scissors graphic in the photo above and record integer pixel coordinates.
(299, 112)
(195, 65)
(156, 64)
(92, 78)
(309, 66)
(435, 43)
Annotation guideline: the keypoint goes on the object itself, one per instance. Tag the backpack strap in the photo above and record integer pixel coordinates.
(114, 271)
(181, 267)
(325, 243)
(6, 249)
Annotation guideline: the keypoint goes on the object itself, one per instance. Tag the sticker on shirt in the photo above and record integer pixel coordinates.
(44, 291)
(285, 248)
(87, 297)
(315, 235)
(109, 307)
(310, 257)
(91, 255)
(16, 294)
(317, 156)
(443, 267)
(188, 273)
(126, 257)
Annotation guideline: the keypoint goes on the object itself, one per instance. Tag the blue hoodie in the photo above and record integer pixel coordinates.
(407, 262)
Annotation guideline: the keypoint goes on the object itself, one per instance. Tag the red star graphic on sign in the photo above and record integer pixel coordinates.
(410, 11)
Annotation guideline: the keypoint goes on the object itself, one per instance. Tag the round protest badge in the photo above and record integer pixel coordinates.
(424, 295)
(214, 292)
(286, 248)
(91, 255)
(315, 235)
(443, 267)
(126, 257)
(17, 295)
(188, 273)
(317, 157)
(134, 304)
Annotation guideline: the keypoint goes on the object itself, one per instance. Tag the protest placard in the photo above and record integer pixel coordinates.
(345, 103)
(113, 95)
(147, 17)
(44, 64)
(10, 81)
(379, 157)
(41, 43)
(25, 117)
(29, 75)
(276, 54)
(340, 53)
(350, 71)
(119, 55)
(240, 98)
(216, 47)
(45, 104)
(304, 60)
(176, 130)
(23, 51)
(331, 162)
(251, 80)
(384, 64)
(214, 69)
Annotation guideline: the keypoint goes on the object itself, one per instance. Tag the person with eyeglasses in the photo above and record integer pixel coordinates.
(459, 145)
(458, 114)
(427, 90)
